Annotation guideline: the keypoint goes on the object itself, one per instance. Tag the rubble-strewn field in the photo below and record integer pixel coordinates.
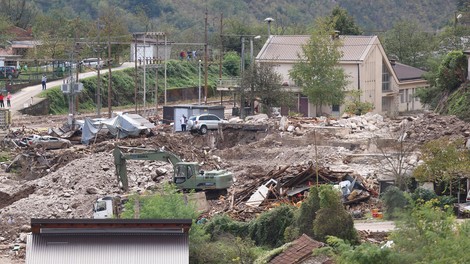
(65, 183)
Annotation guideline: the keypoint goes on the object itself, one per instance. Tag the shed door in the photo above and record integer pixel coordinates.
(303, 106)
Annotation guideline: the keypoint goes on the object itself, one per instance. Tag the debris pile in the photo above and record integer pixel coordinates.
(431, 126)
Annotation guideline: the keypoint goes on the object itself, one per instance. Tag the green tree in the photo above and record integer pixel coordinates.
(354, 104)
(308, 211)
(317, 71)
(394, 201)
(430, 235)
(231, 63)
(54, 33)
(343, 22)
(409, 43)
(449, 92)
(444, 161)
(332, 219)
(4, 36)
(268, 229)
(263, 82)
(20, 13)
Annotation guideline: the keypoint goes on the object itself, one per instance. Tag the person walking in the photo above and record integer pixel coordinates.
(1, 101)
(183, 123)
(43, 81)
(8, 99)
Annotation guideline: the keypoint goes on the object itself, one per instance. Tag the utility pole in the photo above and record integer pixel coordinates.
(109, 76)
(145, 74)
(242, 89)
(221, 52)
(98, 79)
(136, 72)
(205, 59)
(165, 66)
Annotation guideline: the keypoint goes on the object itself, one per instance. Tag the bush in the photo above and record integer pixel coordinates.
(332, 219)
(223, 224)
(228, 249)
(268, 229)
(395, 201)
(307, 212)
(231, 63)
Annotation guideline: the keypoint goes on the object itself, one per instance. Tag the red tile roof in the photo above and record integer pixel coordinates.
(19, 33)
(300, 250)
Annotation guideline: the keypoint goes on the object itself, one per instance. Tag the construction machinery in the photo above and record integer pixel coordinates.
(187, 175)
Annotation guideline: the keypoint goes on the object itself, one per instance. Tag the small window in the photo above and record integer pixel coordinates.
(215, 118)
(100, 206)
(335, 108)
(190, 172)
(402, 96)
(385, 78)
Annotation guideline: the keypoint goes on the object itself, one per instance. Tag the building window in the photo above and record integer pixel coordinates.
(335, 108)
(402, 96)
(385, 78)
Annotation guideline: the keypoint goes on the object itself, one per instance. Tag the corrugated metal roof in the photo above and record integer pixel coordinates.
(103, 249)
(287, 48)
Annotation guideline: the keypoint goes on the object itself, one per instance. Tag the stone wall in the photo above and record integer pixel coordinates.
(39, 106)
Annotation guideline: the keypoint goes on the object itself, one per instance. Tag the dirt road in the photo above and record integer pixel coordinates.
(382, 226)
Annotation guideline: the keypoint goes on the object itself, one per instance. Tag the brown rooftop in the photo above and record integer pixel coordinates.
(300, 250)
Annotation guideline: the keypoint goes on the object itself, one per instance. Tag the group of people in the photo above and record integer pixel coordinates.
(2, 98)
(191, 54)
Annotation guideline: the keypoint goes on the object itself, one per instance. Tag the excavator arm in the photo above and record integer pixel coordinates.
(120, 158)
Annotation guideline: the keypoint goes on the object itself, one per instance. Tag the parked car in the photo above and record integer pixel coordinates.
(49, 142)
(203, 123)
(8, 72)
(27, 141)
(93, 62)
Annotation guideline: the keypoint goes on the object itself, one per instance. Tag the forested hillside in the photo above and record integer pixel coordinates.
(291, 16)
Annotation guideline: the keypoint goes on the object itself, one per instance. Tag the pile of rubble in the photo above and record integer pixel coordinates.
(274, 161)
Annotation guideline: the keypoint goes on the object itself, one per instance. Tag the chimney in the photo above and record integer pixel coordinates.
(393, 62)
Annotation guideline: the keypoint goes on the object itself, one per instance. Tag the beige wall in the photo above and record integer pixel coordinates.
(406, 98)
(366, 75)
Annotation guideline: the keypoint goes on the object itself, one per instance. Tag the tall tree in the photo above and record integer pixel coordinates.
(444, 161)
(409, 43)
(318, 72)
(264, 83)
(19, 12)
(53, 31)
(343, 22)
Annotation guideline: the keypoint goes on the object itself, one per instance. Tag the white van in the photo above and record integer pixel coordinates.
(93, 62)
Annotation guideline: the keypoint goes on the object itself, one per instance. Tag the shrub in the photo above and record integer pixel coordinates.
(307, 212)
(268, 229)
(394, 200)
(223, 224)
(332, 219)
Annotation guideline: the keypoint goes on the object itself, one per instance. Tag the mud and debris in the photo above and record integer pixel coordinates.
(285, 155)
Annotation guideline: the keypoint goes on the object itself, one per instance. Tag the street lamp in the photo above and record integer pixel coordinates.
(269, 20)
(199, 73)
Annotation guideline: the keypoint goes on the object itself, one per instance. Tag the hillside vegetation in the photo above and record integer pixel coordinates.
(291, 16)
(179, 75)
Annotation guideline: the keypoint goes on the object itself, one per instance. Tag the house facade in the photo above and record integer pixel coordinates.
(363, 60)
(410, 80)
